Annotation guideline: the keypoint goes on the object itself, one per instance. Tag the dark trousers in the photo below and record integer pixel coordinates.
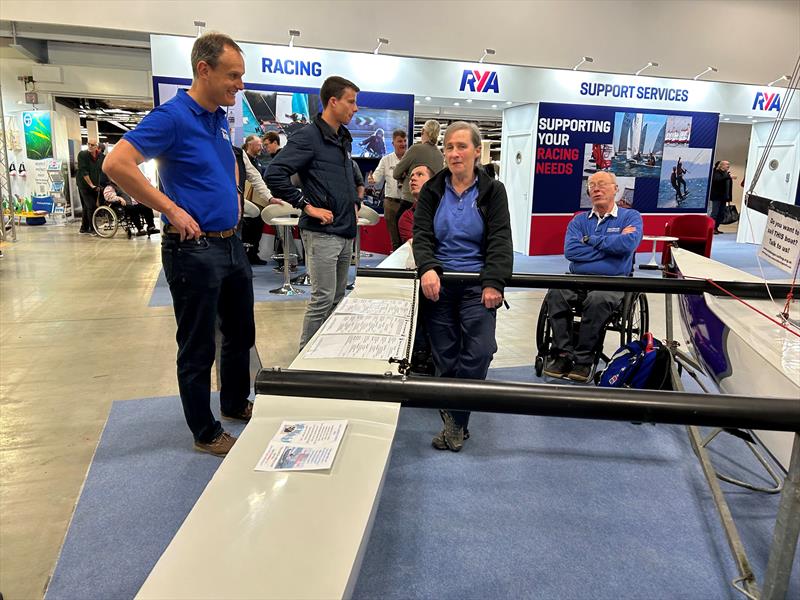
(88, 204)
(462, 334)
(252, 228)
(717, 211)
(210, 279)
(597, 308)
(139, 213)
(392, 209)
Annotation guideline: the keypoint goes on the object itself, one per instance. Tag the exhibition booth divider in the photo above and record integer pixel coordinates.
(656, 135)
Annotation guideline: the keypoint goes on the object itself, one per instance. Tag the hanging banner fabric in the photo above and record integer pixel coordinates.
(662, 159)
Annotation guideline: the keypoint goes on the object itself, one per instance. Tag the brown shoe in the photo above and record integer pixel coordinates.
(219, 446)
(243, 415)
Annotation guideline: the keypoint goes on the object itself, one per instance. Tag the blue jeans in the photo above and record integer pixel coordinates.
(462, 334)
(210, 278)
(328, 263)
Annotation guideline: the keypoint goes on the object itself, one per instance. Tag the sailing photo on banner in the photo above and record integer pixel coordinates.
(661, 158)
(684, 177)
(638, 144)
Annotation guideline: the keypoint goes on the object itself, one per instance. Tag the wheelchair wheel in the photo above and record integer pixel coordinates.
(636, 319)
(543, 337)
(105, 222)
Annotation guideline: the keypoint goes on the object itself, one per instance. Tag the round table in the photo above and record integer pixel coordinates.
(655, 239)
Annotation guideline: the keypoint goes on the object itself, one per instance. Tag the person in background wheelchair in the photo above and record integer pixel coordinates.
(601, 241)
(122, 203)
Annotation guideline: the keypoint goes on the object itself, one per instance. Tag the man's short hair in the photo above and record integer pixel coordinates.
(209, 47)
(334, 87)
(272, 137)
(399, 133)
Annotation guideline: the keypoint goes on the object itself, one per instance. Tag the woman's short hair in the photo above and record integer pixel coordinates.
(475, 133)
(431, 129)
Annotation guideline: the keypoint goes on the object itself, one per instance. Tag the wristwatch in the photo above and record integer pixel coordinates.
(585, 239)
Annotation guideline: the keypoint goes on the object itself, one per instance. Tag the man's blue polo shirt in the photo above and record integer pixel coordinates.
(196, 165)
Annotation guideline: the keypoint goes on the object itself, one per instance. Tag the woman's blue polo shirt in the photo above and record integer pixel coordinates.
(196, 166)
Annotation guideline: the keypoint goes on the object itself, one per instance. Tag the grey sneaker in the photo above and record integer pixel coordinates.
(219, 446)
(452, 436)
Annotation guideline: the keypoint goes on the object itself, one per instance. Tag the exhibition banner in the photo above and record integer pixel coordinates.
(38, 134)
(662, 159)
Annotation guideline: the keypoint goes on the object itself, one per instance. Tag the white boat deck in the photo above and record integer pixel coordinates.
(288, 535)
(764, 358)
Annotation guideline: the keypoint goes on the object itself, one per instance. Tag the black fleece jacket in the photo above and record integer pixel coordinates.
(493, 205)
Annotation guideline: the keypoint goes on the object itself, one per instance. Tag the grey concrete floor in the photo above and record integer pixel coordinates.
(76, 334)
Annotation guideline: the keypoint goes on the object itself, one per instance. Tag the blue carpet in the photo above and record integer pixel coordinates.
(532, 507)
(538, 507)
(264, 280)
(143, 481)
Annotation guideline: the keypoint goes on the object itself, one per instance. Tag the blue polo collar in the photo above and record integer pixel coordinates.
(184, 97)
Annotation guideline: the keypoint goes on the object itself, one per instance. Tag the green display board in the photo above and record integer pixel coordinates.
(38, 134)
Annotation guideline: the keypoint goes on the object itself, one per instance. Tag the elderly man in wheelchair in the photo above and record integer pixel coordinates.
(118, 209)
(601, 241)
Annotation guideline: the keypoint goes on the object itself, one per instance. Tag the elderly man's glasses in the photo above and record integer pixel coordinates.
(596, 185)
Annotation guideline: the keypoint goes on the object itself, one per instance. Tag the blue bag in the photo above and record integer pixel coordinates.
(642, 364)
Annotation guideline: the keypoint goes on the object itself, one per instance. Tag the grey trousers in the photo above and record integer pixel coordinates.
(328, 263)
(596, 310)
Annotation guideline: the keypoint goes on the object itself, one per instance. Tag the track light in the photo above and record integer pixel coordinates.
(584, 59)
(708, 68)
(381, 42)
(782, 78)
(201, 25)
(293, 33)
(647, 66)
(487, 52)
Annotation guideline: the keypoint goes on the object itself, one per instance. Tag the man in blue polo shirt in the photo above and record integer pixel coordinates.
(599, 242)
(204, 261)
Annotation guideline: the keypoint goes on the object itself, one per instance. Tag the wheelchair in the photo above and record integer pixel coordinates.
(630, 320)
(107, 219)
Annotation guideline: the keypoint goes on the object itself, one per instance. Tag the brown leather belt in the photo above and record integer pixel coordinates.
(210, 234)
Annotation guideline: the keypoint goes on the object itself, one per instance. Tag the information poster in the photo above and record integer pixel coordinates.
(38, 134)
(662, 159)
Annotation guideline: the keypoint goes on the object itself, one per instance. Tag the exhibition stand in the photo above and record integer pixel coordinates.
(558, 126)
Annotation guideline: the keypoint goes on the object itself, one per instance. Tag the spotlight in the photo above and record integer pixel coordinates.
(647, 66)
(381, 42)
(487, 52)
(428, 98)
(708, 68)
(509, 102)
(201, 25)
(456, 103)
(584, 59)
(469, 100)
(293, 33)
(782, 78)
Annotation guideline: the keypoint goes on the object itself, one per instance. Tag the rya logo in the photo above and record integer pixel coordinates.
(766, 101)
(477, 81)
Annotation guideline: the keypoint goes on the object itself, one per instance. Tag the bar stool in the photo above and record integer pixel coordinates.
(286, 216)
(366, 218)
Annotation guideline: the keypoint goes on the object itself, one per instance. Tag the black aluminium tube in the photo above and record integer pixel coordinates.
(611, 404)
(599, 282)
